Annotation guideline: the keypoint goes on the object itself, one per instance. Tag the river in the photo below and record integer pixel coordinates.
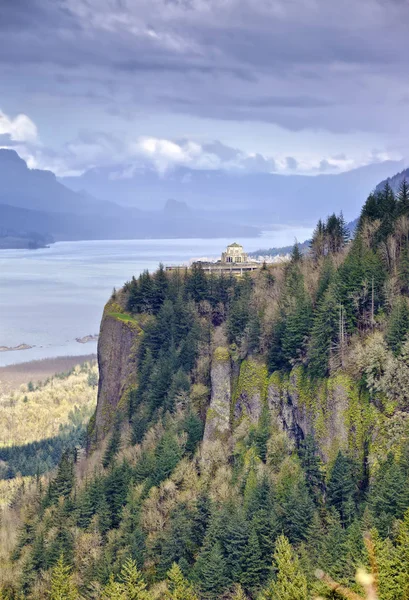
(50, 297)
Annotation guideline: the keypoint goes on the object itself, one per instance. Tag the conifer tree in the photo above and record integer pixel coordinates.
(312, 466)
(132, 581)
(341, 488)
(251, 564)
(324, 334)
(296, 255)
(402, 200)
(114, 590)
(398, 325)
(290, 582)
(211, 572)
(62, 584)
(318, 242)
(179, 587)
(238, 593)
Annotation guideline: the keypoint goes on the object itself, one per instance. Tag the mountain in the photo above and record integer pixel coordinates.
(394, 181)
(32, 200)
(257, 198)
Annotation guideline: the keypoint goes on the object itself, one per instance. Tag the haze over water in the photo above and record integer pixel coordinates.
(51, 296)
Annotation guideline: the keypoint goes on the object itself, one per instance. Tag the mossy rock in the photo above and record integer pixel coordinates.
(221, 354)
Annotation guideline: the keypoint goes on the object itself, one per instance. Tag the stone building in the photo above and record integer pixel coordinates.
(234, 254)
(234, 260)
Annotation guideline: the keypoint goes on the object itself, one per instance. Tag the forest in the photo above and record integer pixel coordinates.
(163, 509)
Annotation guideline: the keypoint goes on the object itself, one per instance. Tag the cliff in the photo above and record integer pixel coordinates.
(117, 346)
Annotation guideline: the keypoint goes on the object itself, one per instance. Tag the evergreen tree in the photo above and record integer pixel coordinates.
(388, 494)
(290, 582)
(402, 201)
(238, 593)
(251, 564)
(114, 443)
(179, 587)
(275, 356)
(211, 572)
(114, 590)
(62, 584)
(296, 255)
(324, 334)
(197, 285)
(398, 325)
(160, 289)
(313, 467)
(132, 581)
(63, 483)
(341, 488)
(318, 242)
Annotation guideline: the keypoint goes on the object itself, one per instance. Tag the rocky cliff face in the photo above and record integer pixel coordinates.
(218, 413)
(117, 345)
(332, 410)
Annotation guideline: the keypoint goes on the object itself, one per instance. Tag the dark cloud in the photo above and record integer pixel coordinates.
(298, 63)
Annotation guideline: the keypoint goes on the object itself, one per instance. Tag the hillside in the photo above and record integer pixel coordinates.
(248, 432)
(35, 201)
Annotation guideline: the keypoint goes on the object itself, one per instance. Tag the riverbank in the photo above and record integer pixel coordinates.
(12, 376)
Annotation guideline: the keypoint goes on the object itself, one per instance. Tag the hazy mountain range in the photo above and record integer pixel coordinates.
(261, 199)
(113, 204)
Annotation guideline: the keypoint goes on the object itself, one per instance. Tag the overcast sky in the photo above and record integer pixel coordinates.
(257, 85)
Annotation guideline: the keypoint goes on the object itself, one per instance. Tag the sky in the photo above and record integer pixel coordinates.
(283, 86)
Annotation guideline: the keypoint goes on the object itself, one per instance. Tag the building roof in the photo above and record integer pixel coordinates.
(235, 245)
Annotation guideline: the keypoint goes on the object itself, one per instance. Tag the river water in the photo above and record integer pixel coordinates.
(51, 296)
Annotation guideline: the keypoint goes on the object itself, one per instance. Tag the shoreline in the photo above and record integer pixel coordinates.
(12, 376)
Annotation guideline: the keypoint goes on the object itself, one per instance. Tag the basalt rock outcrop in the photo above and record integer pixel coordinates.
(117, 347)
(331, 410)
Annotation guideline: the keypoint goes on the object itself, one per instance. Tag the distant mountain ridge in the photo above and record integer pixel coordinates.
(394, 181)
(32, 200)
(260, 199)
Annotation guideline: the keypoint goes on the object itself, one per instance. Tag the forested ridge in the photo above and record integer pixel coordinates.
(310, 470)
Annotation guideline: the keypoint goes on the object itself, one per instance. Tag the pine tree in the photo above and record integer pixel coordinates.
(160, 289)
(324, 334)
(132, 581)
(211, 572)
(296, 255)
(197, 284)
(63, 483)
(114, 590)
(398, 325)
(179, 587)
(341, 488)
(402, 204)
(313, 467)
(114, 443)
(290, 583)
(318, 242)
(62, 584)
(251, 564)
(238, 593)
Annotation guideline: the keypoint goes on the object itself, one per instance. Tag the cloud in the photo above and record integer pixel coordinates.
(19, 129)
(326, 165)
(301, 64)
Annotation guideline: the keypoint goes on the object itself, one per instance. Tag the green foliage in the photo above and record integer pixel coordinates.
(341, 489)
(62, 585)
(398, 326)
(290, 582)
